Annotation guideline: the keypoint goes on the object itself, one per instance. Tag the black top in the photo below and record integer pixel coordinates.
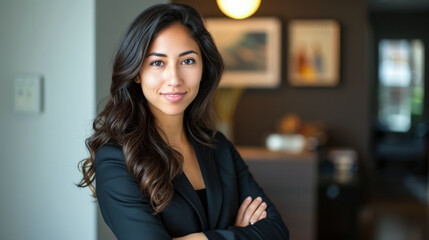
(203, 197)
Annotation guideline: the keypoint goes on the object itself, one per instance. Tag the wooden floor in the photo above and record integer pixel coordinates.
(384, 219)
(396, 210)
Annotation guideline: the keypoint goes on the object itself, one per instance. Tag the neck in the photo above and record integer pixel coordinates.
(172, 127)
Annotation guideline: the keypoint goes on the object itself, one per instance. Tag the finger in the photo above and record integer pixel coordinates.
(257, 214)
(251, 209)
(242, 210)
(263, 215)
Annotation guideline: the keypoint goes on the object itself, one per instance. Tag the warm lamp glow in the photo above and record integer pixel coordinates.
(238, 9)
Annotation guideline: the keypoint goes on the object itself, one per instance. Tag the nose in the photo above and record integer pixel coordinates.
(174, 78)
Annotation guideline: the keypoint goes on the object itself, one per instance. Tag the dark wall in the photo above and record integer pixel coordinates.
(343, 109)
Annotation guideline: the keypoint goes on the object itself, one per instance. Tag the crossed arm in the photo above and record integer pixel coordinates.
(249, 213)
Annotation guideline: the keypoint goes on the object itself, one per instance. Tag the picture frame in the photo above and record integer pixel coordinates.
(314, 53)
(251, 50)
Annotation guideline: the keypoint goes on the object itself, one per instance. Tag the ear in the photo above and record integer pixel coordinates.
(137, 79)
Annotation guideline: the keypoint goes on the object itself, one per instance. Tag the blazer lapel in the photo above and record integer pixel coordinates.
(211, 180)
(184, 187)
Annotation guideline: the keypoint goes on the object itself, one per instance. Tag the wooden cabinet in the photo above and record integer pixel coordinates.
(290, 181)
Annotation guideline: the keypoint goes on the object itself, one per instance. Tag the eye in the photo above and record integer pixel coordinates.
(188, 61)
(157, 63)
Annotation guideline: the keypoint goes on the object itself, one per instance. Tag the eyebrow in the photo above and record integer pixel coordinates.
(164, 55)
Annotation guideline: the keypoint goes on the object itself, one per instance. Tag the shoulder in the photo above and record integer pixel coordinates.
(221, 140)
(108, 152)
(110, 162)
(217, 141)
(224, 149)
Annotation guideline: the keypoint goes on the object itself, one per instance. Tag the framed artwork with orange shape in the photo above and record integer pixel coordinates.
(314, 53)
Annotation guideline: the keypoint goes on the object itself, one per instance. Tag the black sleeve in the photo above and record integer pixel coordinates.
(126, 211)
(271, 227)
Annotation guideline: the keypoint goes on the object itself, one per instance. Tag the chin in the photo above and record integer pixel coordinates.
(169, 110)
(174, 112)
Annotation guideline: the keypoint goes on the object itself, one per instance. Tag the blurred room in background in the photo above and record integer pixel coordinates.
(327, 102)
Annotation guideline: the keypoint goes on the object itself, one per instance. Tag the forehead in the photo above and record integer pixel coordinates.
(174, 38)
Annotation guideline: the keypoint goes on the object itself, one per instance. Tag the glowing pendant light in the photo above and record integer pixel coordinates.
(238, 9)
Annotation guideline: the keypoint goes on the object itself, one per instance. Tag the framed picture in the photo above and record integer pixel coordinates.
(251, 50)
(314, 52)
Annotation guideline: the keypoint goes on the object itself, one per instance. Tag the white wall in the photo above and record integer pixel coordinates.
(39, 153)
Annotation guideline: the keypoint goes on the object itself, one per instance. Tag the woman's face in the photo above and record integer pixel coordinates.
(171, 72)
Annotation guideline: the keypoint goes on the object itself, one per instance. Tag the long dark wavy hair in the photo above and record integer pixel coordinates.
(126, 120)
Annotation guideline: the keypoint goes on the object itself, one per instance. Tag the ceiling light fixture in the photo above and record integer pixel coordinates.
(238, 9)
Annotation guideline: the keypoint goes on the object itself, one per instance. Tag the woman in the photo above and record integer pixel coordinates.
(162, 170)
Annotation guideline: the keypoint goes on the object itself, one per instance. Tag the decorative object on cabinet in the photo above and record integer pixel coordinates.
(294, 135)
(314, 53)
(251, 50)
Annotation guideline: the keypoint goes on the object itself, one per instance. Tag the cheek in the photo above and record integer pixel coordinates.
(149, 84)
(145, 90)
(196, 83)
(195, 86)
(194, 79)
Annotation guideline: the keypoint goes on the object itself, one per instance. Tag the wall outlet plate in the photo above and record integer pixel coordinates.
(28, 94)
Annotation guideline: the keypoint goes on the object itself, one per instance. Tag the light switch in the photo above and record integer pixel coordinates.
(27, 94)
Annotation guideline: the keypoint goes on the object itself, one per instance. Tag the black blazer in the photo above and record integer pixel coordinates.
(228, 182)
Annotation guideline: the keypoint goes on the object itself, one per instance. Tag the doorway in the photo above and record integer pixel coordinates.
(399, 70)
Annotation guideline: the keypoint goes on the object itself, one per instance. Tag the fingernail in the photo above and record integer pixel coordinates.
(248, 198)
(259, 199)
(263, 204)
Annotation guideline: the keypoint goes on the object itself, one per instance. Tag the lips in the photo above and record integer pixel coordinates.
(173, 96)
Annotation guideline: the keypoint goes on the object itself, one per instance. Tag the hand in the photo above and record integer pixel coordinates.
(250, 212)
(193, 236)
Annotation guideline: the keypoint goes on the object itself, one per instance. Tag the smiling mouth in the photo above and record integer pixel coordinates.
(173, 93)
(174, 96)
